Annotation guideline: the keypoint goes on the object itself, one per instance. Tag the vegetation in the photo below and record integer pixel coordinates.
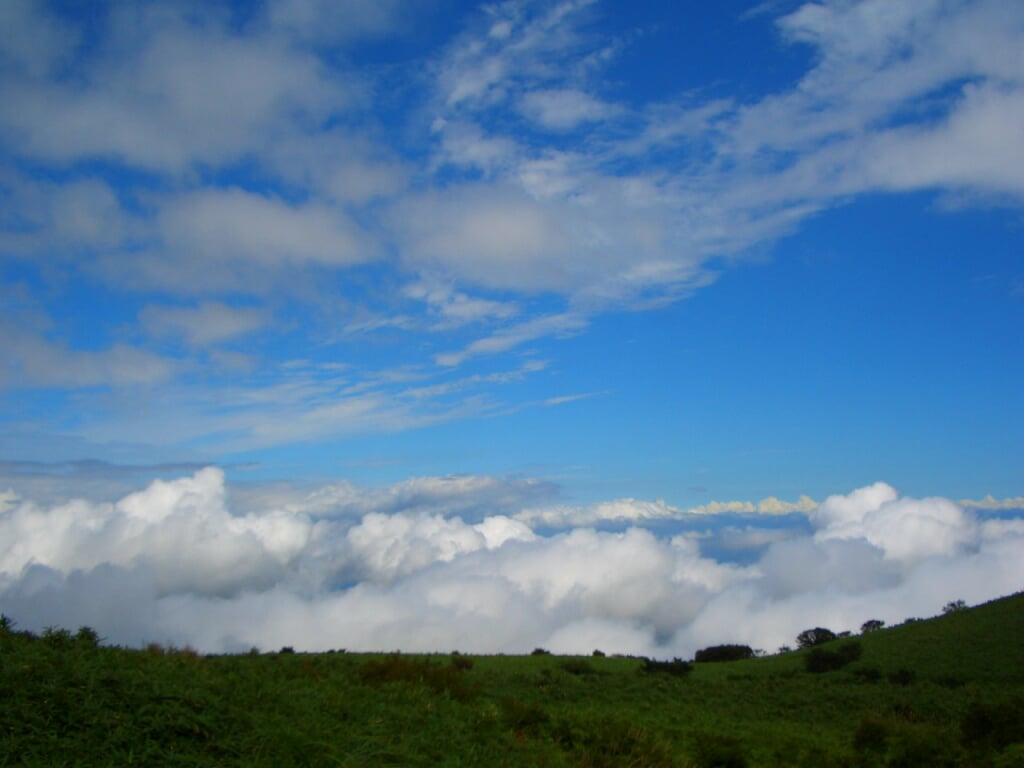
(943, 692)
(724, 653)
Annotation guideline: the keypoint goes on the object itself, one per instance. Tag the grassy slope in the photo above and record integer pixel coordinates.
(66, 702)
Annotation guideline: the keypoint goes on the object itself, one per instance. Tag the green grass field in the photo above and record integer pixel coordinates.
(946, 691)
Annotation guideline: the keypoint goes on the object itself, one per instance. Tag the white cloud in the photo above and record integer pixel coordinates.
(904, 529)
(32, 39)
(177, 93)
(638, 510)
(235, 224)
(394, 568)
(565, 109)
(992, 503)
(203, 325)
(31, 360)
(337, 21)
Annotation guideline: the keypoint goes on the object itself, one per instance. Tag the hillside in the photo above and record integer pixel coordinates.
(945, 691)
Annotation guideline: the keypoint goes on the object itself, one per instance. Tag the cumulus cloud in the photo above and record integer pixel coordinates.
(904, 529)
(396, 568)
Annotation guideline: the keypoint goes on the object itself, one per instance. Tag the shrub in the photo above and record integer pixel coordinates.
(816, 636)
(871, 625)
(868, 674)
(58, 638)
(598, 653)
(522, 717)
(462, 663)
(850, 651)
(87, 637)
(676, 667)
(916, 746)
(872, 735)
(1011, 757)
(711, 750)
(607, 743)
(540, 652)
(902, 677)
(821, 660)
(397, 668)
(577, 666)
(719, 653)
(994, 724)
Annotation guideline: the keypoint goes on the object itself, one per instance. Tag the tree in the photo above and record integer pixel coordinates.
(871, 625)
(954, 606)
(816, 636)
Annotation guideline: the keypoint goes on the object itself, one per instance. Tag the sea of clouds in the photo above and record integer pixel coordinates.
(485, 564)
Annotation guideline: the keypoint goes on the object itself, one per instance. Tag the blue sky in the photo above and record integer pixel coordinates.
(681, 254)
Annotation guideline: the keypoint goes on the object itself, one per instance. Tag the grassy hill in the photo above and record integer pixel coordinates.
(946, 691)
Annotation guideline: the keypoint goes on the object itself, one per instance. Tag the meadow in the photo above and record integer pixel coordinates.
(946, 691)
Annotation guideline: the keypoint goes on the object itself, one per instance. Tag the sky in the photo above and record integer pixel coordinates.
(434, 324)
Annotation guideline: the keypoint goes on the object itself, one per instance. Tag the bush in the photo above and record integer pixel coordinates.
(462, 663)
(540, 652)
(598, 653)
(523, 717)
(397, 668)
(816, 636)
(676, 667)
(954, 606)
(902, 677)
(871, 625)
(868, 674)
(711, 750)
(993, 724)
(577, 666)
(821, 660)
(872, 735)
(850, 651)
(719, 653)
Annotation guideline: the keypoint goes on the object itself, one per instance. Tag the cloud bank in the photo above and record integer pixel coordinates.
(435, 564)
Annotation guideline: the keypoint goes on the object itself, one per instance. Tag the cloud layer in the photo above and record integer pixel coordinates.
(436, 564)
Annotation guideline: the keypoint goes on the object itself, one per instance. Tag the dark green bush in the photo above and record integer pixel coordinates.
(850, 652)
(868, 674)
(607, 743)
(712, 750)
(872, 735)
(522, 717)
(902, 677)
(819, 661)
(540, 652)
(719, 653)
(676, 667)
(577, 667)
(397, 668)
(993, 724)
(916, 746)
